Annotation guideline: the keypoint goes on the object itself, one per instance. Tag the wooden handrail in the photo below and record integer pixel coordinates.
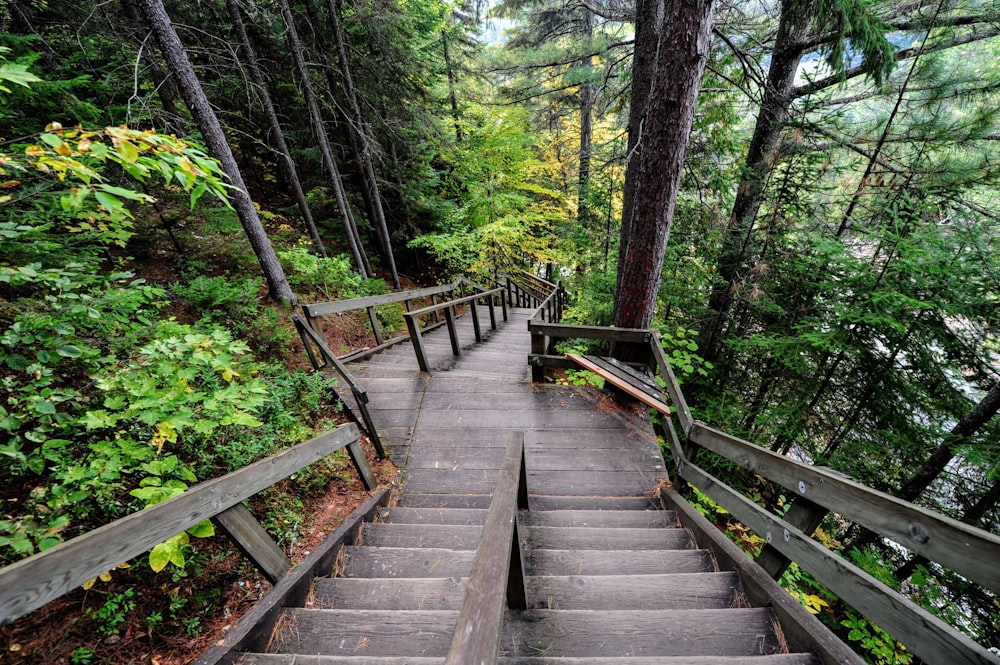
(311, 337)
(416, 336)
(339, 306)
(32, 582)
(498, 569)
(962, 548)
(546, 284)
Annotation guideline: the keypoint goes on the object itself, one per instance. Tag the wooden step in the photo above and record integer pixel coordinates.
(616, 562)
(363, 632)
(445, 536)
(635, 519)
(614, 539)
(771, 659)
(683, 591)
(409, 499)
(435, 515)
(541, 502)
(443, 593)
(629, 633)
(361, 561)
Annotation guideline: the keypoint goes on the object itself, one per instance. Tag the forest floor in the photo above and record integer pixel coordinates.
(136, 616)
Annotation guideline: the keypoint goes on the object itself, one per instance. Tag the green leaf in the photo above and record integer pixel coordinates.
(121, 192)
(159, 556)
(44, 408)
(203, 529)
(128, 152)
(70, 351)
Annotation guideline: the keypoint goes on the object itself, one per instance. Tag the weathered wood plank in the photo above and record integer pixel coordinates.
(388, 593)
(640, 393)
(683, 591)
(969, 551)
(338, 306)
(362, 561)
(584, 538)
(924, 634)
(602, 519)
(254, 541)
(497, 576)
(437, 515)
(803, 631)
(418, 500)
(770, 659)
(625, 633)
(445, 536)
(635, 335)
(621, 562)
(554, 503)
(251, 631)
(364, 632)
(32, 582)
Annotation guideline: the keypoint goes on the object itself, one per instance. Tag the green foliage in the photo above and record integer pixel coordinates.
(681, 350)
(110, 616)
(333, 278)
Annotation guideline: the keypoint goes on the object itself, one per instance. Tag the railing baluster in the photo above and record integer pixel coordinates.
(376, 328)
(418, 341)
(449, 317)
(477, 328)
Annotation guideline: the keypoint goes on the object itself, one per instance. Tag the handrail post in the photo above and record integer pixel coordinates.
(437, 315)
(493, 312)
(418, 342)
(538, 345)
(361, 399)
(376, 328)
(477, 328)
(449, 317)
(503, 304)
(805, 516)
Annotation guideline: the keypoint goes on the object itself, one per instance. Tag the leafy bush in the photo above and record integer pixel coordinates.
(333, 277)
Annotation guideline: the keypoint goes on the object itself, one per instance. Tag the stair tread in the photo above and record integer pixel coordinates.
(616, 562)
(574, 537)
(361, 561)
(607, 633)
(434, 515)
(770, 659)
(600, 518)
(623, 633)
(447, 536)
(433, 593)
(705, 590)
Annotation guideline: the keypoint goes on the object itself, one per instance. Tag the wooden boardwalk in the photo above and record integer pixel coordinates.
(612, 578)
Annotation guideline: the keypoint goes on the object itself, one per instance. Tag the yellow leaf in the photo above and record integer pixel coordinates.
(105, 576)
(54, 127)
(34, 151)
(89, 583)
(128, 152)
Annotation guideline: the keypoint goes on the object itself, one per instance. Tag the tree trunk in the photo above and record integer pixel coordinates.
(358, 128)
(316, 118)
(760, 160)
(970, 423)
(277, 134)
(586, 121)
(177, 60)
(452, 83)
(671, 48)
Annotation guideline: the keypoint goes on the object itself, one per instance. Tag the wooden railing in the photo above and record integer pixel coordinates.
(32, 582)
(817, 491)
(549, 311)
(310, 338)
(369, 303)
(448, 307)
(498, 569)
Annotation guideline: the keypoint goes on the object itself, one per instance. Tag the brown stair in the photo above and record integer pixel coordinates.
(604, 583)
(612, 578)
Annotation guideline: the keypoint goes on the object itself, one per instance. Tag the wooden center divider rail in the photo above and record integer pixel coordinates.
(549, 310)
(817, 491)
(498, 569)
(28, 584)
(413, 324)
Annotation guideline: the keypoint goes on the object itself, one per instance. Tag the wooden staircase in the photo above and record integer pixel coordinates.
(611, 576)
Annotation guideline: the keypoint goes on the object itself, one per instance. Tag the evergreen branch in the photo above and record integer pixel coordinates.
(901, 55)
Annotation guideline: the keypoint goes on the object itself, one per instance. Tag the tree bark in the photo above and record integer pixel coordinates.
(970, 423)
(358, 128)
(452, 84)
(586, 121)
(761, 157)
(277, 135)
(671, 49)
(319, 129)
(208, 123)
